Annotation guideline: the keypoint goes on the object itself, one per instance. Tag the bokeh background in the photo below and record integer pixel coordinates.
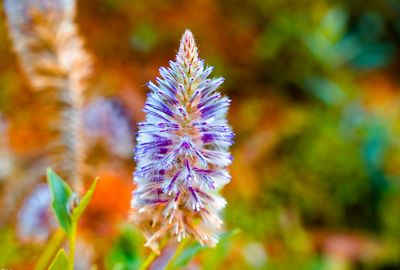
(315, 95)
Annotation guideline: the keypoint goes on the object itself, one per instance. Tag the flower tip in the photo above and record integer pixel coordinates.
(188, 35)
(187, 39)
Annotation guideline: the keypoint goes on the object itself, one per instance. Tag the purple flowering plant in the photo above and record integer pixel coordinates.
(182, 152)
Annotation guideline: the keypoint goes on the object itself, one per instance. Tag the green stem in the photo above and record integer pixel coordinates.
(148, 261)
(72, 241)
(152, 256)
(178, 252)
(50, 250)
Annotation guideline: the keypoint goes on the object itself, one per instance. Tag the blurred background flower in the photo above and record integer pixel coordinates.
(107, 121)
(35, 219)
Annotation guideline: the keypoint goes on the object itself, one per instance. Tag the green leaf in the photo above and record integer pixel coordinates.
(333, 24)
(77, 212)
(125, 252)
(188, 254)
(60, 195)
(60, 261)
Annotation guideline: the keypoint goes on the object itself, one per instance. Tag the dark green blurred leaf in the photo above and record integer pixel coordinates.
(373, 55)
(326, 90)
(371, 26)
(144, 37)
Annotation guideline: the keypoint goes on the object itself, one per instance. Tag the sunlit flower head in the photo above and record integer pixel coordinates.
(182, 152)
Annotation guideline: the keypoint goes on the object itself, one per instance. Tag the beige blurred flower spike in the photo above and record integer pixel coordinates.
(46, 41)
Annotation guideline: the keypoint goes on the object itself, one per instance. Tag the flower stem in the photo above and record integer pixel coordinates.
(152, 256)
(50, 250)
(148, 261)
(72, 241)
(178, 252)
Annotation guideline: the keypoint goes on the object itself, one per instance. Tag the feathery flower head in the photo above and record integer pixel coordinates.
(182, 152)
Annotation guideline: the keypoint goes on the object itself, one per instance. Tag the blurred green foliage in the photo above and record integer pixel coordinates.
(125, 253)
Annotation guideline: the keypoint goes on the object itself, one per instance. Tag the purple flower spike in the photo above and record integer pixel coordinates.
(184, 144)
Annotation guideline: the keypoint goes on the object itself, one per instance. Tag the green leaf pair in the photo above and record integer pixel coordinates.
(61, 197)
(68, 210)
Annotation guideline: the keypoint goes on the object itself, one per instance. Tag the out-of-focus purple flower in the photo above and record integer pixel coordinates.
(106, 120)
(182, 152)
(35, 219)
